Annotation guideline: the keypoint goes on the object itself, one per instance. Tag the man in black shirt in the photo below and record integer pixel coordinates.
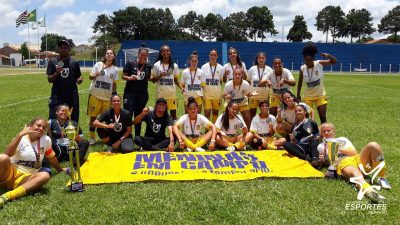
(157, 121)
(136, 73)
(64, 73)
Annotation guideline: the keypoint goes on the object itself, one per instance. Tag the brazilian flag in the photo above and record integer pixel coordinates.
(32, 16)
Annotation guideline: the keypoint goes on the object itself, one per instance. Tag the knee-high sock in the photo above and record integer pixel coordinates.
(16, 193)
(189, 144)
(376, 162)
(239, 145)
(201, 142)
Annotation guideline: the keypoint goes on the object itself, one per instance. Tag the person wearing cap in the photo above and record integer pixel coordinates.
(104, 76)
(64, 73)
(114, 127)
(137, 73)
(157, 121)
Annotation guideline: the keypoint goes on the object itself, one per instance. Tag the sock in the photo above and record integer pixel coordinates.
(201, 142)
(365, 185)
(189, 144)
(271, 147)
(214, 118)
(230, 144)
(16, 193)
(239, 145)
(381, 173)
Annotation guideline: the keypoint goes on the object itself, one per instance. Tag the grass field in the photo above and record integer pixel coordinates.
(363, 107)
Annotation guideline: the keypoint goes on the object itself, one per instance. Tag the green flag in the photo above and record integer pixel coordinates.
(32, 16)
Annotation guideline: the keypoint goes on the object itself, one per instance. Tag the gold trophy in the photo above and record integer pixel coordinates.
(76, 181)
(332, 151)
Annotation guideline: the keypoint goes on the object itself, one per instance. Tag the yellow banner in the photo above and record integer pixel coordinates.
(219, 165)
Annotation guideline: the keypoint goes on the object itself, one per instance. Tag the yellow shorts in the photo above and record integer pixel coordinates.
(212, 103)
(275, 100)
(199, 101)
(97, 106)
(172, 104)
(317, 101)
(14, 179)
(353, 161)
(253, 103)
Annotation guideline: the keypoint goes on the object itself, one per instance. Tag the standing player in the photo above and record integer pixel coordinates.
(104, 76)
(20, 163)
(165, 73)
(313, 75)
(257, 73)
(191, 81)
(279, 80)
(212, 90)
(234, 62)
(136, 73)
(64, 73)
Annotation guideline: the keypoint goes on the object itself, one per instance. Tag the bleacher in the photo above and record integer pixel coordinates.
(351, 57)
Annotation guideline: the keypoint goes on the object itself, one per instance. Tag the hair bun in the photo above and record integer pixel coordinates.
(143, 45)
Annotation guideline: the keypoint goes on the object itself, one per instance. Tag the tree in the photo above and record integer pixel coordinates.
(260, 21)
(24, 50)
(390, 23)
(233, 28)
(125, 23)
(210, 25)
(358, 23)
(331, 18)
(102, 24)
(191, 22)
(298, 32)
(52, 41)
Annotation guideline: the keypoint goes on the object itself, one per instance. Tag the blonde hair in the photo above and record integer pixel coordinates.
(327, 124)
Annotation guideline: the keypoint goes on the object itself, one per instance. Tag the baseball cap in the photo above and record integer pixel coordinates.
(65, 42)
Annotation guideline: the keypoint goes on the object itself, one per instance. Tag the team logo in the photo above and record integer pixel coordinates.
(156, 127)
(65, 73)
(309, 130)
(125, 100)
(141, 75)
(111, 76)
(117, 127)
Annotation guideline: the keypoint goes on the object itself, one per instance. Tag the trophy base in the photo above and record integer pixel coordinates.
(76, 187)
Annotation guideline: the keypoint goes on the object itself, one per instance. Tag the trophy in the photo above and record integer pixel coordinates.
(332, 151)
(76, 181)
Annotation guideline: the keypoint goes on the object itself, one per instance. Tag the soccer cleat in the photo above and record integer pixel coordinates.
(375, 196)
(231, 148)
(109, 149)
(2, 201)
(384, 183)
(189, 150)
(330, 174)
(200, 149)
(92, 141)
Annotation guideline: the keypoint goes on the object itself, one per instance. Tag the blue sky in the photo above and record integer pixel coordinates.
(74, 18)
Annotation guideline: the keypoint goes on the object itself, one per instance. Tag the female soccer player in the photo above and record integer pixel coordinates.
(212, 89)
(304, 137)
(137, 73)
(191, 81)
(193, 125)
(279, 80)
(257, 73)
(237, 90)
(349, 162)
(104, 76)
(165, 73)
(114, 127)
(234, 62)
(313, 75)
(263, 128)
(20, 163)
(232, 130)
(287, 115)
(58, 138)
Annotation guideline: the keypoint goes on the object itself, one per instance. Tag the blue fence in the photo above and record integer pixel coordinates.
(372, 57)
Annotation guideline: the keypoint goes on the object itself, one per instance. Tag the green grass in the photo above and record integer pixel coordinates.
(364, 108)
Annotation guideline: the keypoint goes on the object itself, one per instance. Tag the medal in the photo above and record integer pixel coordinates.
(60, 64)
(117, 125)
(102, 72)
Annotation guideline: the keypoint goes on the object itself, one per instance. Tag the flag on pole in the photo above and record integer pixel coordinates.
(22, 19)
(42, 21)
(32, 16)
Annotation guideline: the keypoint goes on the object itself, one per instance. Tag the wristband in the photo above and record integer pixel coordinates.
(212, 140)
(122, 139)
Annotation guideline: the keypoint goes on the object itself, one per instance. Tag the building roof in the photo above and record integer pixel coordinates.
(379, 41)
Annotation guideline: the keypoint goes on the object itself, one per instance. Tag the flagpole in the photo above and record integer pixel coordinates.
(38, 34)
(45, 30)
(29, 48)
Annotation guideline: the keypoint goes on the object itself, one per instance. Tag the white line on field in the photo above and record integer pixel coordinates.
(365, 85)
(30, 100)
(370, 97)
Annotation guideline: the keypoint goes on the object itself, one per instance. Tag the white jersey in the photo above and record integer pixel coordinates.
(195, 129)
(212, 78)
(29, 156)
(344, 145)
(256, 75)
(289, 115)
(165, 85)
(235, 125)
(101, 87)
(260, 126)
(286, 75)
(229, 67)
(314, 80)
(238, 94)
(192, 81)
